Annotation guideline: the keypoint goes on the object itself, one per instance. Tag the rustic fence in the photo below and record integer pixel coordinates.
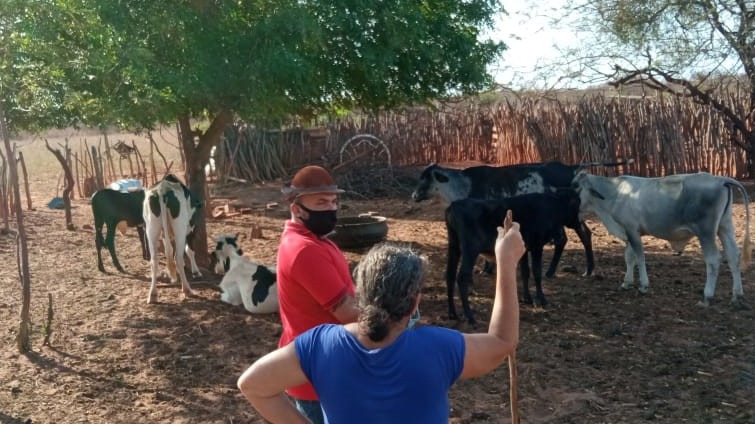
(665, 135)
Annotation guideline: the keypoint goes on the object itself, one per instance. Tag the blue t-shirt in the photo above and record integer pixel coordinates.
(405, 382)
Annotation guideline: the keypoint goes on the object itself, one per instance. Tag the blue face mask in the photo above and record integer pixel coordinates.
(413, 319)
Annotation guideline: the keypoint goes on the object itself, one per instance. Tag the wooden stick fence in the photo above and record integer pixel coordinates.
(95, 166)
(664, 136)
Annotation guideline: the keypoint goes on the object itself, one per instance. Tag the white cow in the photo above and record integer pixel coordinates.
(246, 282)
(674, 208)
(169, 208)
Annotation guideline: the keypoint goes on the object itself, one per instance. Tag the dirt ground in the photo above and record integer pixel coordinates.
(597, 354)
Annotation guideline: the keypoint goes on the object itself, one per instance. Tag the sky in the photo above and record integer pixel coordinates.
(532, 39)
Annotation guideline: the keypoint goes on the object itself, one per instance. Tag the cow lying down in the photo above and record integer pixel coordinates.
(472, 224)
(245, 282)
(674, 208)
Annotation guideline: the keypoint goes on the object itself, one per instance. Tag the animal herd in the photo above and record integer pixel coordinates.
(544, 198)
(169, 209)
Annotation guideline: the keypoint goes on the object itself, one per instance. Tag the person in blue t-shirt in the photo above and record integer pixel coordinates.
(382, 369)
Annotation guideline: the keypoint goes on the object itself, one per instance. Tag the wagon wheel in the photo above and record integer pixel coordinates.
(366, 161)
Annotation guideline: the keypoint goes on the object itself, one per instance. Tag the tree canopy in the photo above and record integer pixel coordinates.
(138, 63)
(700, 49)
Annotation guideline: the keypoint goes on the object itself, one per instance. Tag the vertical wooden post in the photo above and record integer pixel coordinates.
(77, 175)
(152, 167)
(130, 167)
(68, 187)
(26, 180)
(96, 163)
(109, 159)
(22, 338)
(140, 166)
(4, 193)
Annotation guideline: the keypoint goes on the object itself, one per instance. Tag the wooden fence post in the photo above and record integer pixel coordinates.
(26, 180)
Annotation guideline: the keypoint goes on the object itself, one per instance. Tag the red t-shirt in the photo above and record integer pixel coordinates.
(313, 277)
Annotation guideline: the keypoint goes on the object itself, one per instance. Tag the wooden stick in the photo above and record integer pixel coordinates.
(26, 179)
(513, 389)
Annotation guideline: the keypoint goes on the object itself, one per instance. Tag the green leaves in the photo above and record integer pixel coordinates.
(139, 63)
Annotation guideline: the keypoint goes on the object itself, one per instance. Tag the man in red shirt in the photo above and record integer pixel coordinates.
(314, 281)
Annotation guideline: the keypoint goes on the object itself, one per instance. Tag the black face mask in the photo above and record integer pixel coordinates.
(320, 222)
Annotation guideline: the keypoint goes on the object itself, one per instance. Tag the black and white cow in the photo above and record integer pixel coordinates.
(220, 263)
(472, 225)
(246, 282)
(498, 182)
(674, 208)
(170, 208)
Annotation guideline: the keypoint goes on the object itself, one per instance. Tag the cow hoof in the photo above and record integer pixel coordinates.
(643, 289)
(152, 299)
(541, 303)
(453, 317)
(189, 293)
(626, 286)
(740, 302)
(705, 302)
(196, 275)
(550, 275)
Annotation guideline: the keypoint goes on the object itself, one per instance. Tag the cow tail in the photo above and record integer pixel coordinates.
(746, 256)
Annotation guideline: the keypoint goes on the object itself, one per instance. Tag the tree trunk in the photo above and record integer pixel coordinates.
(26, 180)
(69, 184)
(197, 154)
(4, 193)
(22, 338)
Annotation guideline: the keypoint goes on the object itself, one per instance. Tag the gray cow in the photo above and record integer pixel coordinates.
(673, 208)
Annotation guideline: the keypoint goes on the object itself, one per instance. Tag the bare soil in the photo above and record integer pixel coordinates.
(597, 354)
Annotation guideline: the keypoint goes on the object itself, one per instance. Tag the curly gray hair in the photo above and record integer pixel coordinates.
(388, 280)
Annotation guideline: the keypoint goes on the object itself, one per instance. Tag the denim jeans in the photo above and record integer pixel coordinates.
(311, 409)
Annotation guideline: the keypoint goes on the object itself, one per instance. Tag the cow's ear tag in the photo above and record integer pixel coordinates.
(440, 177)
(597, 194)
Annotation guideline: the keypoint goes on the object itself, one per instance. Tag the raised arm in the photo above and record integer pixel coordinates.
(263, 384)
(486, 351)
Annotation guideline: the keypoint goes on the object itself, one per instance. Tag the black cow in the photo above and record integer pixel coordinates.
(497, 182)
(472, 224)
(110, 207)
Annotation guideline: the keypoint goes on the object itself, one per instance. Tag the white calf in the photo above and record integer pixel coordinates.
(169, 208)
(246, 282)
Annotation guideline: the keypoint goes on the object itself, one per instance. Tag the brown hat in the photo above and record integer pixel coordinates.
(310, 180)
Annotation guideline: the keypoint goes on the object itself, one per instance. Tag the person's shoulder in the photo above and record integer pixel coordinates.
(327, 330)
(322, 334)
(434, 331)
